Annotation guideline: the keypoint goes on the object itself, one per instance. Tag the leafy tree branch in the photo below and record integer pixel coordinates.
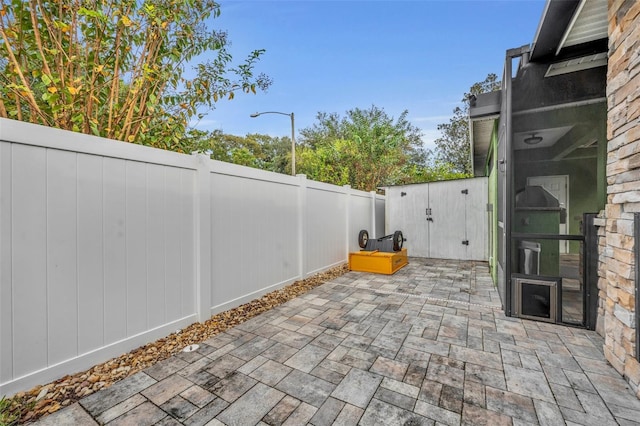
(453, 146)
(117, 68)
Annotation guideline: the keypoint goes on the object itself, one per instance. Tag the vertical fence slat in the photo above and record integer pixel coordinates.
(115, 249)
(136, 237)
(347, 214)
(380, 215)
(302, 226)
(90, 253)
(203, 238)
(155, 264)
(29, 256)
(189, 227)
(6, 238)
(373, 215)
(172, 205)
(62, 291)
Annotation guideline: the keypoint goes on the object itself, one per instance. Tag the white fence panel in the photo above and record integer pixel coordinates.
(253, 234)
(325, 225)
(29, 254)
(91, 252)
(359, 218)
(106, 246)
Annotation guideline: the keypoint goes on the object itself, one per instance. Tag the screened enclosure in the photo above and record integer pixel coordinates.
(551, 152)
(546, 157)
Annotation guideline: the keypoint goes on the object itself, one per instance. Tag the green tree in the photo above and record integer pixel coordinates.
(365, 149)
(276, 152)
(231, 148)
(116, 68)
(453, 146)
(436, 171)
(253, 150)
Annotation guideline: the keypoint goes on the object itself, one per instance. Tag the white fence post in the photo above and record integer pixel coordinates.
(302, 225)
(203, 238)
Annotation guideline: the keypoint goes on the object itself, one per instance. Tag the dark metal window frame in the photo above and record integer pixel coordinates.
(507, 162)
(509, 197)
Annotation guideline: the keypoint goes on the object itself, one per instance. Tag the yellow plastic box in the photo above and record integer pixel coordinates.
(378, 262)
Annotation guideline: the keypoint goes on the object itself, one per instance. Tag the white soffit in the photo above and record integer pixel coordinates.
(589, 23)
(577, 64)
(482, 130)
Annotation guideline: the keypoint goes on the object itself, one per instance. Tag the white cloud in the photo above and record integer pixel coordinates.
(432, 119)
(204, 124)
(428, 137)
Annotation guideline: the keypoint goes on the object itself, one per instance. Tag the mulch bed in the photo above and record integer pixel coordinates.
(46, 399)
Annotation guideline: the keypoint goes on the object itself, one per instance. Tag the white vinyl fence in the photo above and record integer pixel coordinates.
(106, 246)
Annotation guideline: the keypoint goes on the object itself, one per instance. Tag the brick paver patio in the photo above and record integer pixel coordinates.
(428, 345)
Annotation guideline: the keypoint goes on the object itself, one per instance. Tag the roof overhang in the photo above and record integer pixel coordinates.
(481, 131)
(577, 64)
(570, 29)
(484, 109)
(571, 37)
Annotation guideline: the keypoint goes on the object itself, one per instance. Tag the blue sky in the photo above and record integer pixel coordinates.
(333, 56)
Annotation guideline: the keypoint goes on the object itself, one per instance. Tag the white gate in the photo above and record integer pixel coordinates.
(444, 220)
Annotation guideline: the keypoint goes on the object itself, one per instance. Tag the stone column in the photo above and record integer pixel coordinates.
(617, 304)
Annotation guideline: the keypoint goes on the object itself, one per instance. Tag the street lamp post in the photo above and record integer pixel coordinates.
(293, 136)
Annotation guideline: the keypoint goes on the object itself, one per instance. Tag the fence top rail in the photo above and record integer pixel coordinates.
(230, 169)
(368, 195)
(322, 186)
(19, 132)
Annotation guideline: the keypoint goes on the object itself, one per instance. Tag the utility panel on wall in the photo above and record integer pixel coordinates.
(443, 220)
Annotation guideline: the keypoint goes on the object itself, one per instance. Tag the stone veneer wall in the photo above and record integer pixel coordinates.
(616, 268)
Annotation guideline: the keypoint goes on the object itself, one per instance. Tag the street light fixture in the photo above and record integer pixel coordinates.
(293, 136)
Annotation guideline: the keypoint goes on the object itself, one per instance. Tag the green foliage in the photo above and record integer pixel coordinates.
(329, 163)
(365, 149)
(453, 146)
(253, 150)
(7, 417)
(116, 68)
(435, 172)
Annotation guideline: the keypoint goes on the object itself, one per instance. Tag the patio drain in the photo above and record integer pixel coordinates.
(420, 296)
(191, 348)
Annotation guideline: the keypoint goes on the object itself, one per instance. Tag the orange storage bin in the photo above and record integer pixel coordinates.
(378, 262)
